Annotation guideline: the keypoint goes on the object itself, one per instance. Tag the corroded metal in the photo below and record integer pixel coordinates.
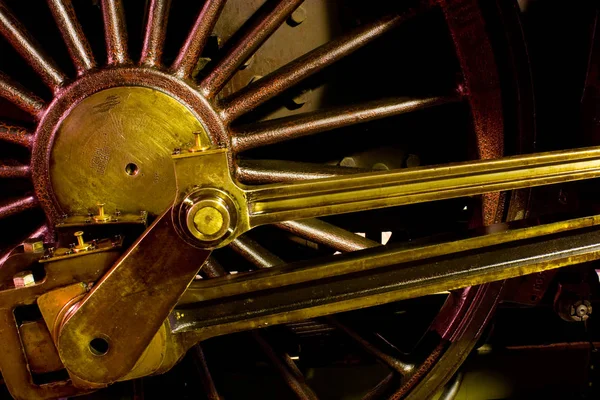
(279, 130)
(72, 33)
(254, 33)
(18, 171)
(255, 253)
(190, 52)
(20, 96)
(327, 234)
(115, 32)
(16, 134)
(31, 51)
(296, 71)
(156, 31)
(17, 206)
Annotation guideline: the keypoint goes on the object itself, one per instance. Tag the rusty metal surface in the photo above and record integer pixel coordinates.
(15, 171)
(327, 234)
(16, 134)
(115, 32)
(156, 31)
(72, 33)
(25, 45)
(288, 128)
(247, 40)
(255, 94)
(17, 206)
(255, 253)
(190, 52)
(20, 96)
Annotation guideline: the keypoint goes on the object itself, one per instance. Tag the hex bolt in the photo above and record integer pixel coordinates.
(23, 279)
(297, 17)
(581, 310)
(33, 246)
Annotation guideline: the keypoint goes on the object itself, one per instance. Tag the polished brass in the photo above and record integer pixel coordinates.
(275, 203)
(105, 133)
(101, 216)
(81, 244)
(70, 221)
(156, 270)
(198, 145)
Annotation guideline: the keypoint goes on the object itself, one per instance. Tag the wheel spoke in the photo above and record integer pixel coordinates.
(296, 71)
(255, 253)
(15, 134)
(24, 44)
(115, 32)
(212, 269)
(286, 368)
(205, 375)
(156, 31)
(282, 129)
(15, 172)
(258, 172)
(187, 59)
(392, 362)
(18, 206)
(20, 96)
(72, 33)
(327, 234)
(250, 37)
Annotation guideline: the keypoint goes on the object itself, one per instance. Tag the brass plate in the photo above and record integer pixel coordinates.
(115, 148)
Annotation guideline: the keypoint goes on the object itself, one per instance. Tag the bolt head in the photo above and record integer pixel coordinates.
(23, 279)
(297, 17)
(33, 246)
(208, 220)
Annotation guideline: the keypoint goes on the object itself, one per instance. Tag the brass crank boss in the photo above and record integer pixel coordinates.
(207, 217)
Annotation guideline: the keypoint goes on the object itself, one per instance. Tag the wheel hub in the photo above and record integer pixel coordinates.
(115, 147)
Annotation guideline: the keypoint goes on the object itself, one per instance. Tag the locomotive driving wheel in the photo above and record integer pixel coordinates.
(294, 91)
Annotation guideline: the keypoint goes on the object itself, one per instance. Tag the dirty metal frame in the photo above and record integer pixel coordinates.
(141, 272)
